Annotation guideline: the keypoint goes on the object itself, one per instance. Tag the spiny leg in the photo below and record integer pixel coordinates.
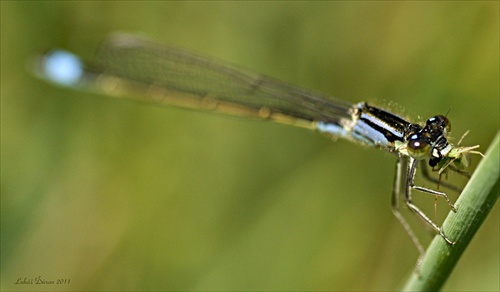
(398, 180)
(410, 175)
(437, 193)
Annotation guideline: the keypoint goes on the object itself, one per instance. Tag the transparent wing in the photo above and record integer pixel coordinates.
(210, 82)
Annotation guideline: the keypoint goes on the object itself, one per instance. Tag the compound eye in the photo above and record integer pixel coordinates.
(418, 147)
(439, 121)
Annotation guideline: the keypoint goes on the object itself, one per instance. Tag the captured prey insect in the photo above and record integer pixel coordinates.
(135, 67)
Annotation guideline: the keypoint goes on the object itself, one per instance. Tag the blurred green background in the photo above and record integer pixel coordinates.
(117, 195)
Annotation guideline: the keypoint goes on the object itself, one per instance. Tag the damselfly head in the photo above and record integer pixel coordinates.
(429, 140)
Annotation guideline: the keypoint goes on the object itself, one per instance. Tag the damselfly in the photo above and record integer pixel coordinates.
(135, 67)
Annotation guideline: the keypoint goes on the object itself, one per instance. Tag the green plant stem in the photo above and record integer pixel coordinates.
(474, 204)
